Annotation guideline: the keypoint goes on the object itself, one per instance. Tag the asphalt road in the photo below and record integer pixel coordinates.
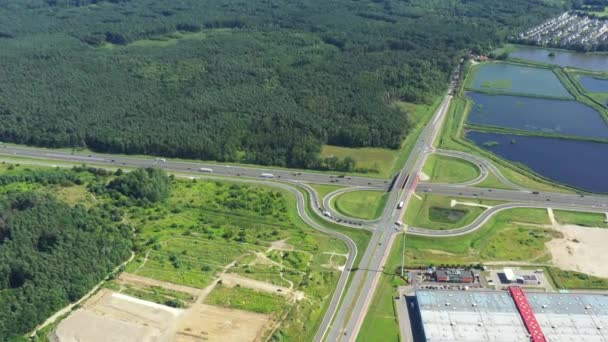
(350, 315)
(548, 198)
(183, 166)
(486, 215)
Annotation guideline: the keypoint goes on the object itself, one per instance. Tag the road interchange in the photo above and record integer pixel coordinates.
(342, 321)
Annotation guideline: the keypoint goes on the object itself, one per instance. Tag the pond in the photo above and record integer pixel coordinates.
(594, 85)
(586, 61)
(581, 164)
(537, 115)
(510, 78)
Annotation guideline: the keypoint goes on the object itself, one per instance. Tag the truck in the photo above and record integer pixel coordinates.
(205, 169)
(267, 175)
(400, 205)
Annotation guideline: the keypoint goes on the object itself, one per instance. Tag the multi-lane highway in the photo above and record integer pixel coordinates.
(343, 320)
(350, 315)
(187, 166)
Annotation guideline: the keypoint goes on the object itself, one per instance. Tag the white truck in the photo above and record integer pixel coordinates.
(206, 169)
(267, 175)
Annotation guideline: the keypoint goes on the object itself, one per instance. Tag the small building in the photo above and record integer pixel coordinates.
(509, 275)
(455, 276)
(528, 279)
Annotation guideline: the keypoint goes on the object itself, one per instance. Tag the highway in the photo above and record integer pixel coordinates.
(343, 320)
(546, 198)
(350, 315)
(186, 166)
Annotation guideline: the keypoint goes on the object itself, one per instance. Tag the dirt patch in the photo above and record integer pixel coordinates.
(232, 280)
(210, 323)
(281, 245)
(581, 249)
(128, 278)
(434, 251)
(111, 316)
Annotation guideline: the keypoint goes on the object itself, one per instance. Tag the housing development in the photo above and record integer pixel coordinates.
(568, 30)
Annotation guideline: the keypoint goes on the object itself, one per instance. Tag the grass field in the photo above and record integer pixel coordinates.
(324, 189)
(205, 225)
(510, 235)
(246, 299)
(444, 169)
(379, 159)
(381, 318)
(436, 212)
(420, 114)
(575, 280)
(492, 182)
(581, 218)
(366, 205)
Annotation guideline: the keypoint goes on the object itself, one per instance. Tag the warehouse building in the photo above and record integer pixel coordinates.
(481, 316)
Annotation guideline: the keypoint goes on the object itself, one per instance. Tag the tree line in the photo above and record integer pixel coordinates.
(255, 82)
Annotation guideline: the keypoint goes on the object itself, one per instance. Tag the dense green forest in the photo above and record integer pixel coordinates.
(51, 254)
(258, 81)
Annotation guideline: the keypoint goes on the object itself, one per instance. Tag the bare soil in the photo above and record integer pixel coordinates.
(211, 323)
(128, 278)
(581, 249)
(110, 316)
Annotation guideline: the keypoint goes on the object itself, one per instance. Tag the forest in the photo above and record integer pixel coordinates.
(50, 255)
(261, 81)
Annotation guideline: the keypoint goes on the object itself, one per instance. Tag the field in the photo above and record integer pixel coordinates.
(366, 205)
(442, 213)
(444, 169)
(581, 218)
(374, 161)
(246, 299)
(576, 280)
(511, 235)
(324, 190)
(205, 230)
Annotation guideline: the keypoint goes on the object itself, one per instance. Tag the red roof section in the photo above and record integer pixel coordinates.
(527, 315)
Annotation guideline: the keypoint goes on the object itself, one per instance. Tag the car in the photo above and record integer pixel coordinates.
(535, 192)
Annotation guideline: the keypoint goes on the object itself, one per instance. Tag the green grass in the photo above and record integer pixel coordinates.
(498, 84)
(381, 319)
(510, 235)
(380, 160)
(365, 204)
(581, 218)
(246, 299)
(576, 280)
(444, 169)
(436, 212)
(492, 182)
(420, 115)
(324, 189)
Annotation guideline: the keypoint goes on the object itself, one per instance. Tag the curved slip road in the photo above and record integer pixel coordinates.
(327, 205)
(487, 214)
(481, 163)
(483, 169)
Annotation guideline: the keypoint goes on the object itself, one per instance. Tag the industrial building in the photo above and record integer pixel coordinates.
(454, 276)
(514, 315)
